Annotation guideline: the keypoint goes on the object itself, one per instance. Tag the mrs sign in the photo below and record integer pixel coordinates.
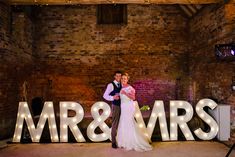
(158, 112)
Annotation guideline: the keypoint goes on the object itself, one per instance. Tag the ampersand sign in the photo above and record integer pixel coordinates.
(99, 122)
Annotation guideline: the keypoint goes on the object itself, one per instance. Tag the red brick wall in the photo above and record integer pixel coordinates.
(212, 78)
(64, 55)
(15, 59)
(79, 56)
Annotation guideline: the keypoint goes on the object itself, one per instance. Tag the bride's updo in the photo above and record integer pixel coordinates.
(127, 75)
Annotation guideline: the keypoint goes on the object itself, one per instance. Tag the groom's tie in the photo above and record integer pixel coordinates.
(118, 85)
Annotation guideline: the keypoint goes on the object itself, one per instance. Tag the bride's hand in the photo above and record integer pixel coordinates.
(123, 92)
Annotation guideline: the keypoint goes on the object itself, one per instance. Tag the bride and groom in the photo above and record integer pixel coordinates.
(125, 132)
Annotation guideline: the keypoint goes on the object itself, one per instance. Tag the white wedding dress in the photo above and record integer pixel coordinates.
(129, 136)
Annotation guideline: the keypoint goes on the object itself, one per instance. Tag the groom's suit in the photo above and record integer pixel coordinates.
(113, 88)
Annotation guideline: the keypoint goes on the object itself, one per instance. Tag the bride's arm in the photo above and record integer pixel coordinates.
(130, 94)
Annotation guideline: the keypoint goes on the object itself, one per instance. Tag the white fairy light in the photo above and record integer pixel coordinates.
(74, 119)
(80, 137)
(64, 105)
(208, 121)
(49, 104)
(137, 115)
(37, 137)
(95, 109)
(106, 112)
(73, 104)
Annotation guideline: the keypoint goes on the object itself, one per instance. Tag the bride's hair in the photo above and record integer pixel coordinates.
(127, 75)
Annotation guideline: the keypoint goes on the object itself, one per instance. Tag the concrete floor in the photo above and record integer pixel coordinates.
(161, 149)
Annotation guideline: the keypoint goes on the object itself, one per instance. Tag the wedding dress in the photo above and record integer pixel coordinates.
(129, 136)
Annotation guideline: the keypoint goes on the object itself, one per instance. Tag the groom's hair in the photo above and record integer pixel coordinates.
(117, 72)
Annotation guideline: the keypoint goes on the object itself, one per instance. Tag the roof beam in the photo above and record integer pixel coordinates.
(186, 10)
(63, 2)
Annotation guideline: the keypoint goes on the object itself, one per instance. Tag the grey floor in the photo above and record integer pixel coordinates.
(160, 149)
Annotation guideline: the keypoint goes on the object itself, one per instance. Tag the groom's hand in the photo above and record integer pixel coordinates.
(115, 97)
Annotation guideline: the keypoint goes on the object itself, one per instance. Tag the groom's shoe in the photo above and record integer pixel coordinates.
(114, 145)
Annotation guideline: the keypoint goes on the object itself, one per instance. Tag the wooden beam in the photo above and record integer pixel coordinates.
(191, 7)
(70, 2)
(198, 6)
(186, 10)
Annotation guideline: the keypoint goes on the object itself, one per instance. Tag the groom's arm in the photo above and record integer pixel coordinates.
(107, 92)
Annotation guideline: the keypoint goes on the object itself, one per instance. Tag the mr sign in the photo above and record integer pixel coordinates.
(158, 112)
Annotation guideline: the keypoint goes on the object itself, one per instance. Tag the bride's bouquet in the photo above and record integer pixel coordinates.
(145, 108)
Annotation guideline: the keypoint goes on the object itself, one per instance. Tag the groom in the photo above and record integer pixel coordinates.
(112, 94)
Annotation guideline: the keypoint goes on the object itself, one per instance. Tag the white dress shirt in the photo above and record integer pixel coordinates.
(108, 90)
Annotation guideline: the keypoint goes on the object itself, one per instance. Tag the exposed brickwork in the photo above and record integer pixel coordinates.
(64, 55)
(212, 78)
(79, 56)
(15, 58)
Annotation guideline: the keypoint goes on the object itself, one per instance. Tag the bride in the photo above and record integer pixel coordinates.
(129, 135)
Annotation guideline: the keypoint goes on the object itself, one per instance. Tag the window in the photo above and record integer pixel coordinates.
(112, 14)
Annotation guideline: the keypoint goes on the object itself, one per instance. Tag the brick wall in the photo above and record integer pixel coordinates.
(78, 57)
(16, 59)
(62, 54)
(212, 78)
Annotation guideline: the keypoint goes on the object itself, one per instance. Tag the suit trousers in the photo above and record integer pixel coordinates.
(116, 112)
